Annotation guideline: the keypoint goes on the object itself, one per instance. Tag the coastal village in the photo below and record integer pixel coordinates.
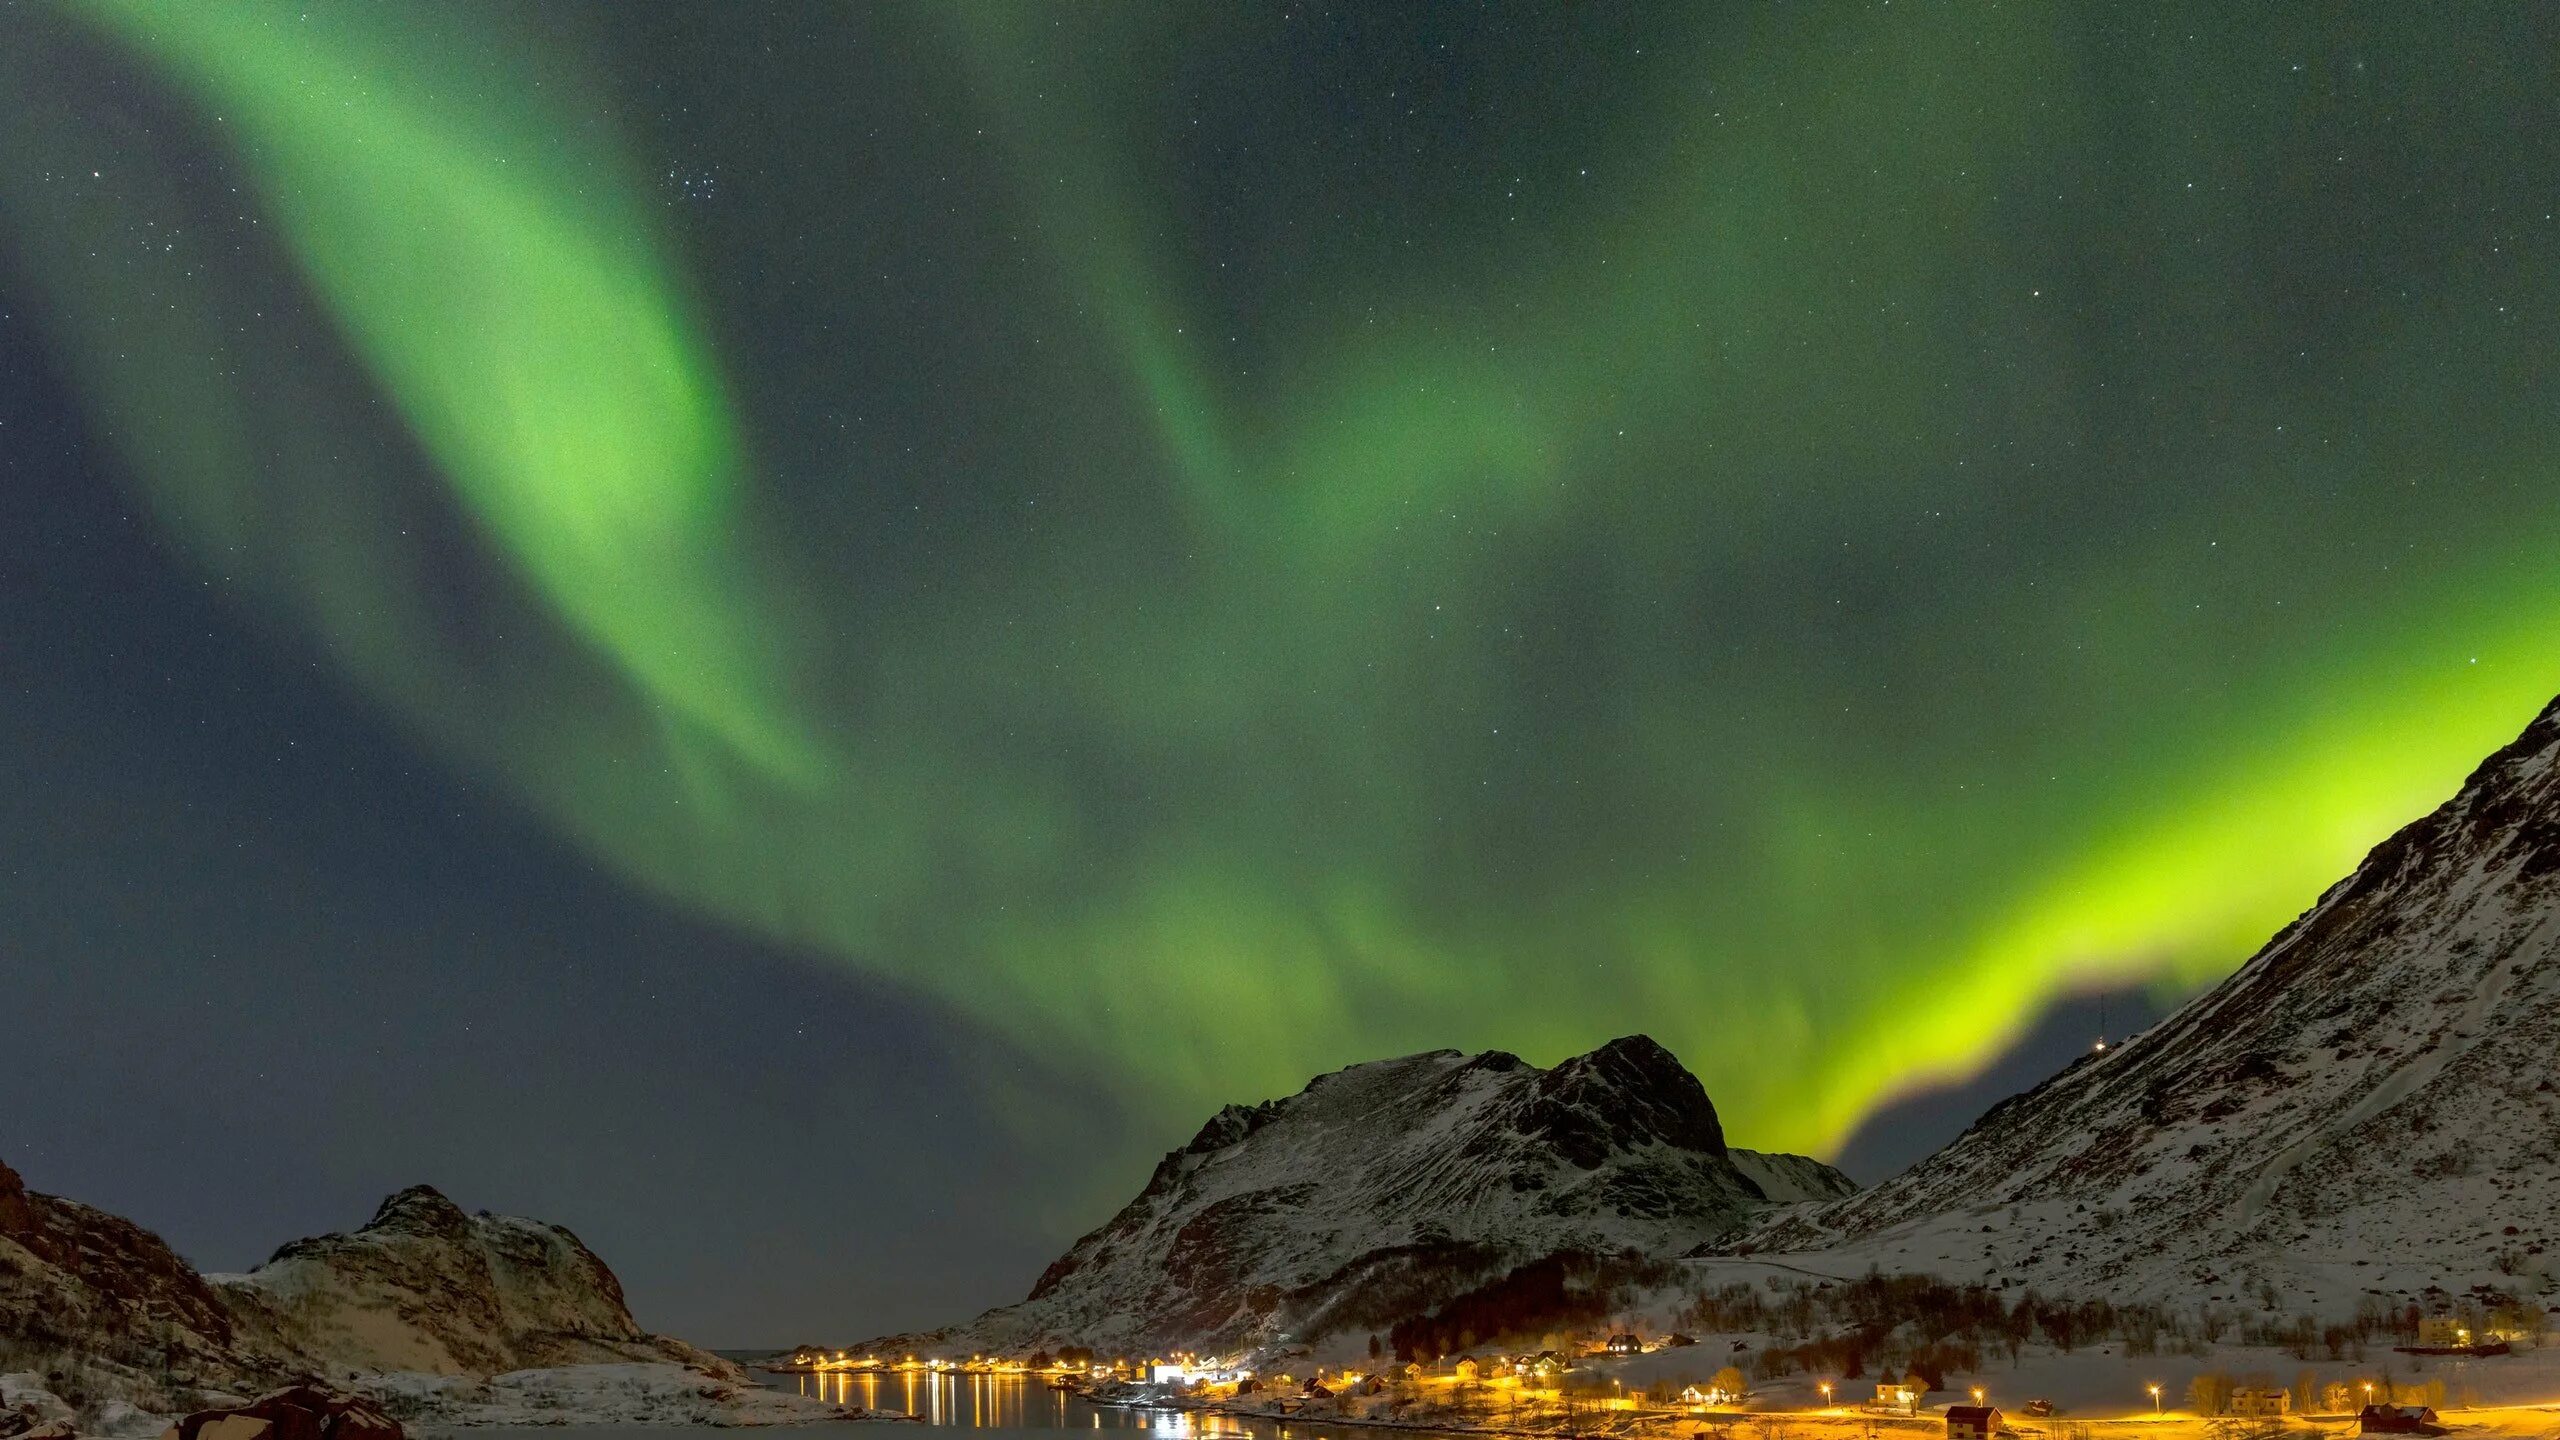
(1671, 1386)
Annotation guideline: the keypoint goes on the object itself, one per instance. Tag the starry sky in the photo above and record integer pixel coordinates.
(795, 634)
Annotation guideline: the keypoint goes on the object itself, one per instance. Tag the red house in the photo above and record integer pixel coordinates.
(1972, 1422)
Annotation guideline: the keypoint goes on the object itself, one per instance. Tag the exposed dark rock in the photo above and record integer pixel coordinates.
(74, 1273)
(297, 1412)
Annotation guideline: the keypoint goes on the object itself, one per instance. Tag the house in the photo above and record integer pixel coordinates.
(2261, 1404)
(1548, 1363)
(1467, 1368)
(1677, 1341)
(1972, 1422)
(1898, 1395)
(2443, 1332)
(2397, 1420)
(1625, 1345)
(1314, 1389)
(1708, 1395)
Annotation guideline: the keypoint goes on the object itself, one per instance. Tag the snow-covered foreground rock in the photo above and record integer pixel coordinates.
(1381, 1189)
(2369, 1107)
(627, 1394)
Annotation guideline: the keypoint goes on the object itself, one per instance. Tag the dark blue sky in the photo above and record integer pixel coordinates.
(269, 966)
(265, 966)
(1209, 544)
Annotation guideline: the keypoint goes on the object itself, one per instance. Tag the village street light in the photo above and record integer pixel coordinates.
(1826, 1394)
(1977, 1394)
(2155, 1399)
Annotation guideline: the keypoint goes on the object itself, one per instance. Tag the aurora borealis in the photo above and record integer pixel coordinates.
(1213, 543)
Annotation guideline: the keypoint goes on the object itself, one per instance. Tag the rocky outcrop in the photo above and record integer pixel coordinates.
(1383, 1189)
(297, 1412)
(97, 1291)
(2368, 1107)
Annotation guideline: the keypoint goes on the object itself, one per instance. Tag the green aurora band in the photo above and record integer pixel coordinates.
(1792, 598)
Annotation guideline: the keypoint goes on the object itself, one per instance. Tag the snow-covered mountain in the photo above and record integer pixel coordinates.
(2366, 1107)
(1380, 1189)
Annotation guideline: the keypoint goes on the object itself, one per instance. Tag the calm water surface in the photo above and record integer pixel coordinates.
(1007, 1405)
(1019, 1404)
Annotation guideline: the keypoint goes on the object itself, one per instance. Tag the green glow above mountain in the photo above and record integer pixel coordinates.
(1807, 537)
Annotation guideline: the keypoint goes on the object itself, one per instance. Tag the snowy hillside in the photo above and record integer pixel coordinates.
(2366, 1108)
(1789, 1179)
(424, 1287)
(1382, 1188)
(449, 1318)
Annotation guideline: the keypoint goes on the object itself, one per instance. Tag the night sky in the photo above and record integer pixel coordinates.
(793, 636)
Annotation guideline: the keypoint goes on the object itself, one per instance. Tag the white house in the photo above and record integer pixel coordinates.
(2261, 1404)
(2443, 1332)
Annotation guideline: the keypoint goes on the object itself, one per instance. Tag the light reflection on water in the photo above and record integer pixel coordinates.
(1016, 1402)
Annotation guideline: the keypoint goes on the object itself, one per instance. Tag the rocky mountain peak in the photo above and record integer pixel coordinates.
(1415, 1177)
(1630, 1091)
(420, 1210)
(1230, 1125)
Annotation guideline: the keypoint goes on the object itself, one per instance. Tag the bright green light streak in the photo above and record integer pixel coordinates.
(528, 332)
(2185, 891)
(511, 306)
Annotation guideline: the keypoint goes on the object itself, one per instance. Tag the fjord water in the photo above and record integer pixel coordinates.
(1005, 1402)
